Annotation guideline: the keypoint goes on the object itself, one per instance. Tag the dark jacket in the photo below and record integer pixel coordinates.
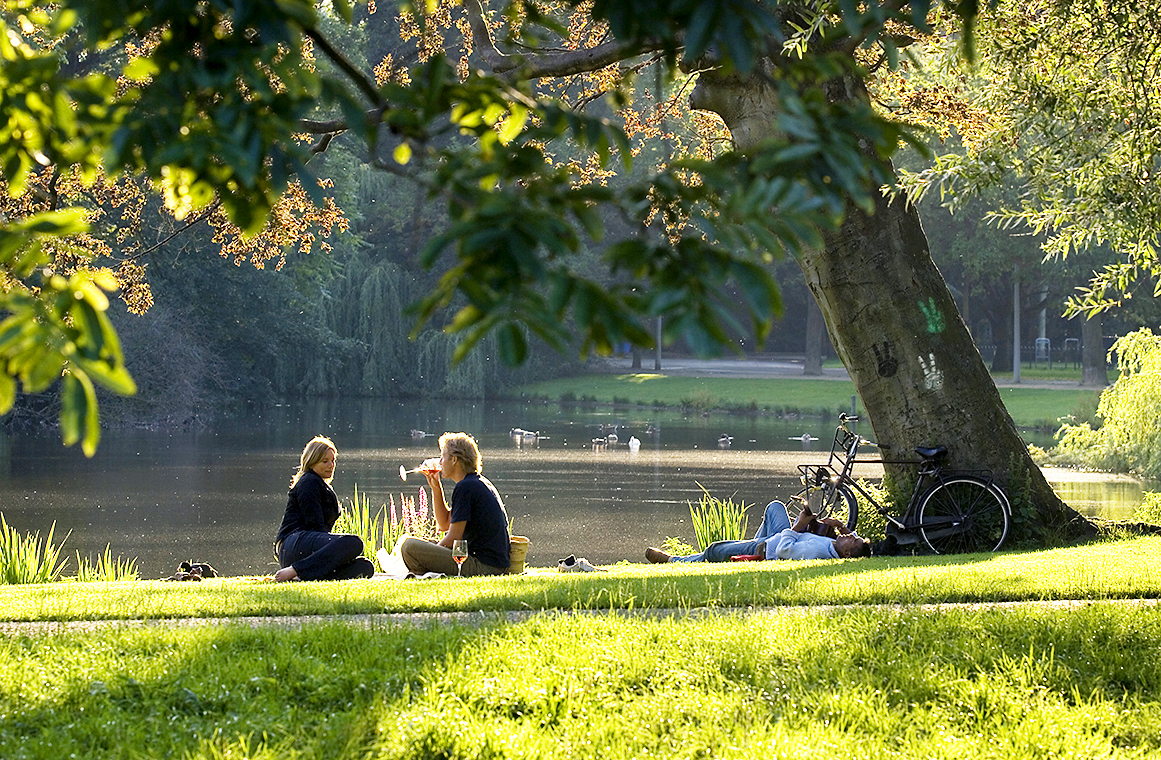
(311, 505)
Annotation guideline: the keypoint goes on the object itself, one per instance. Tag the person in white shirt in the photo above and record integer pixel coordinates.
(776, 538)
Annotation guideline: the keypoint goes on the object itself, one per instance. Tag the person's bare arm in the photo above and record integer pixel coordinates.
(455, 532)
(804, 521)
(438, 504)
(836, 524)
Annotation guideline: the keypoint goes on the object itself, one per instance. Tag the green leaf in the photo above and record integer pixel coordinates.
(512, 345)
(343, 10)
(7, 392)
(72, 410)
(141, 69)
(701, 28)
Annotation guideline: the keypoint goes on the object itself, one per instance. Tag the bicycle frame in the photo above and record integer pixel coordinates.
(843, 458)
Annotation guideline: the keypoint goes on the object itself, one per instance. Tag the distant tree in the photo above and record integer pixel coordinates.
(1069, 89)
(1126, 440)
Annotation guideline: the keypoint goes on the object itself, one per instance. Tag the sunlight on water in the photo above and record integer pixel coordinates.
(218, 495)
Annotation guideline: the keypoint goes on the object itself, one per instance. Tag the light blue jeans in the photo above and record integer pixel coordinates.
(773, 522)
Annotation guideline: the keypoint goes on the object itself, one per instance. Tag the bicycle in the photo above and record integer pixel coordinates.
(952, 511)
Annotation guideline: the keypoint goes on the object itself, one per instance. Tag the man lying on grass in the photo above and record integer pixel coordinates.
(778, 539)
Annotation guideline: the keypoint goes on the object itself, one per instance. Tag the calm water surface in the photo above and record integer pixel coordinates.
(218, 495)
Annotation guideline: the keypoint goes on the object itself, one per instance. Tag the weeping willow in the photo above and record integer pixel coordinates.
(1126, 440)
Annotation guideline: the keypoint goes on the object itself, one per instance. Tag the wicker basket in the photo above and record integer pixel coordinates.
(518, 549)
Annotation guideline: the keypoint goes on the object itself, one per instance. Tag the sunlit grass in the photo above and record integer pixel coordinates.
(1105, 570)
(901, 683)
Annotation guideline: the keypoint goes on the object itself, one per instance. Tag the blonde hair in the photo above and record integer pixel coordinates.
(312, 455)
(463, 447)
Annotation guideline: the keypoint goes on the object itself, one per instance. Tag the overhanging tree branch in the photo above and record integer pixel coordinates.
(562, 64)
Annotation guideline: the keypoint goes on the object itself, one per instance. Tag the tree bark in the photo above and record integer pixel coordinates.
(1094, 371)
(896, 328)
(815, 328)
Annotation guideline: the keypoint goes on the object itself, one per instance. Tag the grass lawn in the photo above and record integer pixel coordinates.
(883, 677)
(1029, 407)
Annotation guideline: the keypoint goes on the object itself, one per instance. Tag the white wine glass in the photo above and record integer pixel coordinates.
(459, 554)
(428, 465)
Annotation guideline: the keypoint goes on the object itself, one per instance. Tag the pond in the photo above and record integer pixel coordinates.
(217, 495)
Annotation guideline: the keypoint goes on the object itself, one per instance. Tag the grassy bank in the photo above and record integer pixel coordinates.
(897, 680)
(1029, 407)
(1104, 570)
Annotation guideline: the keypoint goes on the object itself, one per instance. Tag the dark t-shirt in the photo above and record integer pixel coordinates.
(311, 505)
(476, 502)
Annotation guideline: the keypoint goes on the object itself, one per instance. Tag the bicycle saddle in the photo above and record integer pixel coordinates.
(931, 453)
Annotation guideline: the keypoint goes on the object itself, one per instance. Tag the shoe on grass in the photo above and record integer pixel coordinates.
(656, 556)
(574, 564)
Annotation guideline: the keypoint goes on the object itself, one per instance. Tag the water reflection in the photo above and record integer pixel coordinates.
(218, 495)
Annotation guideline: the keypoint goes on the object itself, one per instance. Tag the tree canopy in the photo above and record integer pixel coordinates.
(211, 104)
(1066, 95)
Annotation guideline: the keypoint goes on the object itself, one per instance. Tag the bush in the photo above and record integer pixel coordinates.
(871, 524)
(1126, 440)
(1149, 510)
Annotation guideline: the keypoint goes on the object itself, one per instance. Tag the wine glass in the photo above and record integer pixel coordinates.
(427, 465)
(459, 554)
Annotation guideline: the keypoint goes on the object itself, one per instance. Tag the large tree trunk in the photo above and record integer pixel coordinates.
(895, 326)
(1094, 370)
(815, 330)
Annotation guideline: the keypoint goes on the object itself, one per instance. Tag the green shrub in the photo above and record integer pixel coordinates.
(23, 559)
(701, 400)
(1127, 439)
(717, 519)
(871, 524)
(677, 547)
(1149, 510)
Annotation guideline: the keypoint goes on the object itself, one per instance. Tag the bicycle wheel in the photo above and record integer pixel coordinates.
(843, 506)
(963, 514)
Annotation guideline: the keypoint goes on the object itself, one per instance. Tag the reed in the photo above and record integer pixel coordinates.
(24, 558)
(106, 568)
(717, 519)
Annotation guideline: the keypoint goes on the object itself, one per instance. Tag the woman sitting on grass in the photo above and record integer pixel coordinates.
(778, 539)
(477, 515)
(305, 547)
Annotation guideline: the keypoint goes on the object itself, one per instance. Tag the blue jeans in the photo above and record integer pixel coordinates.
(773, 522)
(318, 556)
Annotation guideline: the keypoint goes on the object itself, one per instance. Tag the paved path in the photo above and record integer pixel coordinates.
(776, 366)
(481, 617)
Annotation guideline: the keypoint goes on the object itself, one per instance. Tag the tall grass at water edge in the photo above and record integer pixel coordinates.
(899, 683)
(383, 526)
(106, 568)
(24, 558)
(716, 519)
